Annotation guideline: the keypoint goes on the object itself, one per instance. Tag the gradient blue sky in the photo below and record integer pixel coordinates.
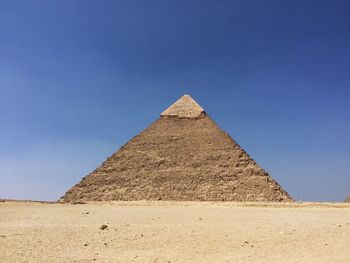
(78, 79)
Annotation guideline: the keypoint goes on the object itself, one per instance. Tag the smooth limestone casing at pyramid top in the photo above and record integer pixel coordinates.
(183, 156)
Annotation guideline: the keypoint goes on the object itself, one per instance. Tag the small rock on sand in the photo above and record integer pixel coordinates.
(103, 227)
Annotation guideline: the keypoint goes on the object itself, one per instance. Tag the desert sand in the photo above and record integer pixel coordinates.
(146, 231)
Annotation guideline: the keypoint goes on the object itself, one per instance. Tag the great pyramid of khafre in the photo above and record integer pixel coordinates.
(347, 199)
(184, 156)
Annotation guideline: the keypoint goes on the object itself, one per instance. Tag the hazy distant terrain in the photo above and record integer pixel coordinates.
(174, 232)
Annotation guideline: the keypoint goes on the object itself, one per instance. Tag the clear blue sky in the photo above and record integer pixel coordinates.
(78, 79)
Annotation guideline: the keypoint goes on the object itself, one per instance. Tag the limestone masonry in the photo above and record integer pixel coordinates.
(183, 156)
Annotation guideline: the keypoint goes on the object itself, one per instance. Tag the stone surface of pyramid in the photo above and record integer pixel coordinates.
(185, 107)
(347, 199)
(183, 156)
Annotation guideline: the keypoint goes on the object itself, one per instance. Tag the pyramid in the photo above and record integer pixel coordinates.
(182, 156)
(347, 199)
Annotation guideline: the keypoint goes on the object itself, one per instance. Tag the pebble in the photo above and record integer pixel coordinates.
(103, 227)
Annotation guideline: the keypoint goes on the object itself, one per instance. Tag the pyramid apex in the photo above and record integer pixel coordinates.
(185, 107)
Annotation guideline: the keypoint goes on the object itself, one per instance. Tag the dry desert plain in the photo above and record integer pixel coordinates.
(163, 231)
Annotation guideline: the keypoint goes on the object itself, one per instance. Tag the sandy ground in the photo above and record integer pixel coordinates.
(174, 232)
